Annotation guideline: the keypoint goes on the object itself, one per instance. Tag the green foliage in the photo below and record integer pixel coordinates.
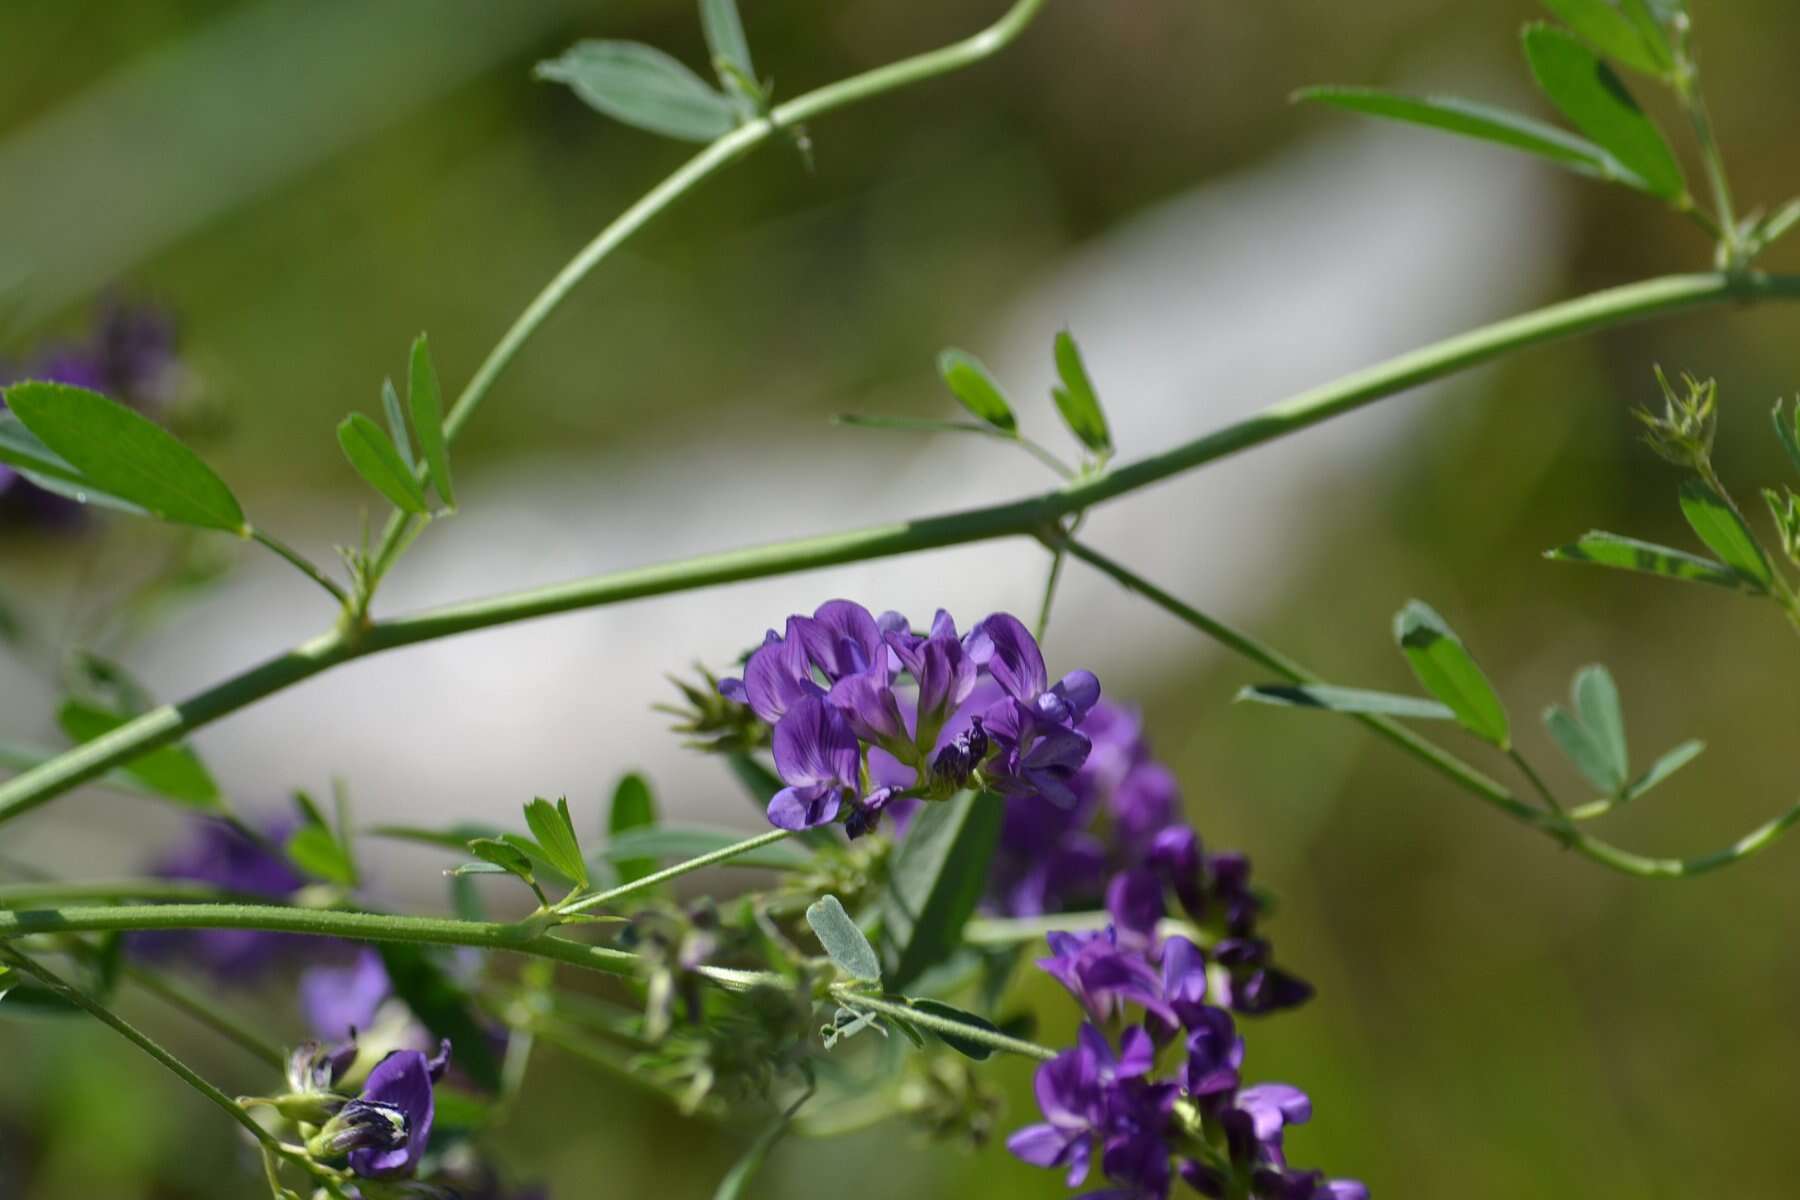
(505, 856)
(935, 880)
(1447, 671)
(396, 423)
(554, 830)
(1594, 740)
(843, 941)
(1076, 399)
(427, 405)
(979, 1051)
(1635, 43)
(1718, 525)
(973, 385)
(1346, 700)
(1664, 767)
(633, 808)
(1629, 554)
(316, 849)
(375, 458)
(1596, 101)
(1787, 431)
(643, 87)
(101, 447)
(172, 772)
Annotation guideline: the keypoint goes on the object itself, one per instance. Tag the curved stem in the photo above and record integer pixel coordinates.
(1035, 515)
(177, 996)
(1537, 782)
(723, 854)
(1467, 777)
(942, 1026)
(305, 565)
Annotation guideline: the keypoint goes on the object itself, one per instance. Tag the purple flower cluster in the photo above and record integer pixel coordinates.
(1054, 858)
(1196, 1120)
(129, 355)
(384, 1130)
(866, 712)
(225, 857)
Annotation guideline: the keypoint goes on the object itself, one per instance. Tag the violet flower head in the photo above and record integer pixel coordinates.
(1104, 974)
(402, 1083)
(339, 1000)
(220, 855)
(817, 756)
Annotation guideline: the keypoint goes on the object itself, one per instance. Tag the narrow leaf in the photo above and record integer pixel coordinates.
(172, 772)
(724, 29)
(1469, 119)
(971, 383)
(380, 465)
(949, 1012)
(1609, 30)
(1664, 767)
(642, 87)
(842, 940)
(396, 423)
(1724, 532)
(314, 850)
(1582, 749)
(428, 419)
(1788, 431)
(503, 854)
(1651, 18)
(123, 454)
(1595, 99)
(455, 838)
(936, 878)
(1076, 399)
(1597, 700)
(555, 833)
(633, 807)
(1444, 667)
(1629, 554)
(1346, 700)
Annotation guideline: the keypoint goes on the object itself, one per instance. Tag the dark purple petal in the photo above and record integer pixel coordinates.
(842, 639)
(814, 744)
(1007, 651)
(777, 676)
(872, 709)
(402, 1079)
(800, 808)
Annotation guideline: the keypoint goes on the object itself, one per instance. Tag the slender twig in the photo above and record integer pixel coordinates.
(1537, 781)
(1030, 516)
(306, 565)
(21, 895)
(846, 995)
(724, 854)
(177, 996)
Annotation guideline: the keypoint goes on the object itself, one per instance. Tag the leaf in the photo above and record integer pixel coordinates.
(1652, 19)
(1582, 748)
(314, 850)
(1469, 119)
(1777, 224)
(380, 465)
(456, 837)
(910, 424)
(125, 455)
(1346, 700)
(1597, 700)
(656, 843)
(1444, 667)
(935, 880)
(172, 772)
(396, 422)
(1076, 399)
(1664, 767)
(25, 999)
(505, 855)
(1724, 532)
(642, 87)
(633, 807)
(1788, 431)
(979, 1051)
(842, 940)
(1609, 30)
(1595, 99)
(971, 383)
(443, 1007)
(555, 833)
(724, 30)
(1629, 554)
(427, 405)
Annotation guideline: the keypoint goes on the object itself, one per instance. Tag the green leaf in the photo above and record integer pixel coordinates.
(1788, 431)
(172, 772)
(505, 855)
(724, 30)
(972, 384)
(1469, 119)
(978, 1051)
(1583, 749)
(442, 1007)
(1724, 532)
(396, 423)
(1446, 670)
(455, 838)
(633, 807)
(1629, 554)
(1076, 399)
(1778, 224)
(935, 880)
(653, 844)
(1664, 767)
(642, 87)
(1609, 30)
(21, 998)
(428, 419)
(1597, 700)
(23, 449)
(555, 833)
(1593, 96)
(125, 455)
(1652, 19)
(314, 850)
(1346, 700)
(375, 459)
(842, 940)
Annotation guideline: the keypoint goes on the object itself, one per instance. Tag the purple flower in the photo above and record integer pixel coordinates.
(313, 1067)
(1215, 1055)
(339, 1000)
(1089, 1095)
(817, 756)
(1103, 974)
(220, 855)
(401, 1083)
(1135, 900)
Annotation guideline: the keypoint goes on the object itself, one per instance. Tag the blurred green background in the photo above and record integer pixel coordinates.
(308, 184)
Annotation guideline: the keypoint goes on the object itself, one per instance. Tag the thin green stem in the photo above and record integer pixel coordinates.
(1036, 449)
(1015, 931)
(1465, 776)
(24, 895)
(724, 854)
(177, 996)
(1051, 581)
(143, 1041)
(1032, 516)
(846, 995)
(306, 565)
(1693, 102)
(1537, 781)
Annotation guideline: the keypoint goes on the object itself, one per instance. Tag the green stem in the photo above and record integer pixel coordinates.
(201, 1010)
(143, 1041)
(1442, 761)
(24, 895)
(1693, 102)
(1030, 516)
(1537, 781)
(717, 155)
(306, 565)
(724, 854)
(847, 996)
